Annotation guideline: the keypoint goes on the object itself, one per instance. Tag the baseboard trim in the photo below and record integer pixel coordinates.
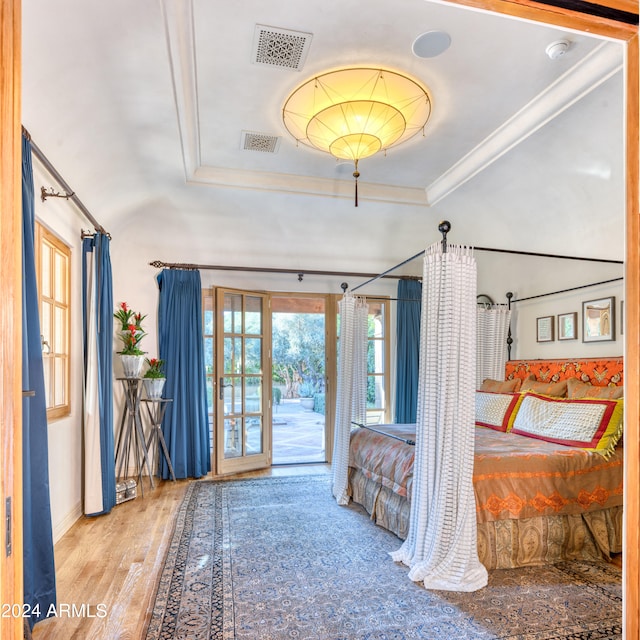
(67, 522)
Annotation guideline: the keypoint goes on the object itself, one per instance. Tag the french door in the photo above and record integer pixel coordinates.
(243, 385)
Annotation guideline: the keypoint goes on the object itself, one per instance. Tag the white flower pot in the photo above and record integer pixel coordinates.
(307, 403)
(132, 365)
(153, 387)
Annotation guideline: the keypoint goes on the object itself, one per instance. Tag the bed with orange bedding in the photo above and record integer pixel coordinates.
(537, 501)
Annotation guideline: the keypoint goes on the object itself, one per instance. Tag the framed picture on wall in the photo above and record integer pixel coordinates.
(544, 329)
(568, 326)
(598, 320)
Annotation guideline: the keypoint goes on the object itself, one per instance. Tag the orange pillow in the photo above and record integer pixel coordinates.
(579, 389)
(500, 386)
(556, 389)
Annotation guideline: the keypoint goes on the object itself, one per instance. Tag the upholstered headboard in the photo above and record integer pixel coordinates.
(601, 372)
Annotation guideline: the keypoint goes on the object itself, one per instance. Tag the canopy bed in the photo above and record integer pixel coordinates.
(544, 472)
(537, 501)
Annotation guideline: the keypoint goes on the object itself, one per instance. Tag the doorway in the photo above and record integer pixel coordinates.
(299, 379)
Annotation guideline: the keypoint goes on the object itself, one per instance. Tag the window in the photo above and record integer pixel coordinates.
(378, 349)
(53, 258)
(377, 362)
(208, 328)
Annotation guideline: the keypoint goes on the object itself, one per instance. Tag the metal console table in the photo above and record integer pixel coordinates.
(155, 410)
(131, 440)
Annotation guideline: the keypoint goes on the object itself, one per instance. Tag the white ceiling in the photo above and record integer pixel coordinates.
(141, 107)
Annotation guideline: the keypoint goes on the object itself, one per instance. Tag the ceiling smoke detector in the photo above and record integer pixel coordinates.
(557, 49)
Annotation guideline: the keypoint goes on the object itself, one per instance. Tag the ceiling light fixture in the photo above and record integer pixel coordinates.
(354, 113)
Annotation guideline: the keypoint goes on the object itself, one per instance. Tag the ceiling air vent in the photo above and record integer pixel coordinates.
(280, 47)
(259, 142)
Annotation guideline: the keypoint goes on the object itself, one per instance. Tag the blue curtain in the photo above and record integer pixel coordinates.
(407, 350)
(39, 568)
(185, 425)
(97, 320)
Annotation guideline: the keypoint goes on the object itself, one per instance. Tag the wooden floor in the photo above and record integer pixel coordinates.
(107, 567)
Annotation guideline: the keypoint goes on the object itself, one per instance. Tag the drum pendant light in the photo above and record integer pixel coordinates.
(357, 112)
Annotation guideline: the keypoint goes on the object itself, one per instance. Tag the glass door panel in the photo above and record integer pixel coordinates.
(243, 408)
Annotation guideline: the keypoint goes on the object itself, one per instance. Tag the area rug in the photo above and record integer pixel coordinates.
(276, 558)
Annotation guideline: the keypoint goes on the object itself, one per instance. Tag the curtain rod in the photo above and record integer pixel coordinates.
(509, 251)
(62, 182)
(444, 227)
(385, 274)
(552, 293)
(158, 264)
(509, 295)
(549, 255)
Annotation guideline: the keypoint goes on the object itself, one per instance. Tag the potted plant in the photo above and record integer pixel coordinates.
(154, 378)
(305, 391)
(131, 333)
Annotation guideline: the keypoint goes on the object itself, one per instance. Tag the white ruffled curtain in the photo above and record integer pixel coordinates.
(441, 547)
(492, 332)
(351, 393)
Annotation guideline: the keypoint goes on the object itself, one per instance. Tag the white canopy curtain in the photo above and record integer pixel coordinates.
(441, 547)
(352, 387)
(492, 332)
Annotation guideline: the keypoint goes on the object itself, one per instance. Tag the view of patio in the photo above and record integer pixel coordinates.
(298, 434)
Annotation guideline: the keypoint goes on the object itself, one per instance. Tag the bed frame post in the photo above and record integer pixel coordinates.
(509, 338)
(444, 227)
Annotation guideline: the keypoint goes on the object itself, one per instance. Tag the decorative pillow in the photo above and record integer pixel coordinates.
(578, 389)
(556, 389)
(497, 410)
(593, 423)
(501, 386)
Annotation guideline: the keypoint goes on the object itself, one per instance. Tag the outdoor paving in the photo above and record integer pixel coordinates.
(298, 434)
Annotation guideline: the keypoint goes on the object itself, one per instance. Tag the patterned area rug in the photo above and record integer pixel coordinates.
(277, 558)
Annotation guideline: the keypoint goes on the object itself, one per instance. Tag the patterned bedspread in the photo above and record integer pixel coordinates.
(514, 476)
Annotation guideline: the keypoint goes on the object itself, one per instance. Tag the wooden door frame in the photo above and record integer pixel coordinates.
(626, 34)
(11, 586)
(10, 243)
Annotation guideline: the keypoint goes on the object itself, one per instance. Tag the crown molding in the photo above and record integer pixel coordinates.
(289, 183)
(590, 72)
(181, 47)
(604, 61)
